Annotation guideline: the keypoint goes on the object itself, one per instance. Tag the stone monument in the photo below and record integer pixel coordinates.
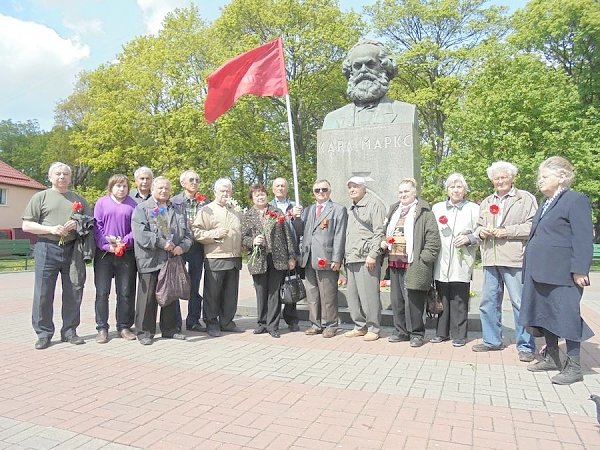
(374, 137)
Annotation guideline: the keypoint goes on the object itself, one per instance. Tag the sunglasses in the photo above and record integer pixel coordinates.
(318, 190)
(194, 180)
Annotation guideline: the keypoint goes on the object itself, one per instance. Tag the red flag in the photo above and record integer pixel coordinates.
(260, 71)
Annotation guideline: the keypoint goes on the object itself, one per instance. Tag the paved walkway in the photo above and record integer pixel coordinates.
(244, 391)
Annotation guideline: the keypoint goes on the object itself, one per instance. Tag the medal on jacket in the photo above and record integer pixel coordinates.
(324, 224)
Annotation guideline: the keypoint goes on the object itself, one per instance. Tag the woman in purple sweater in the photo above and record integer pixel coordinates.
(115, 258)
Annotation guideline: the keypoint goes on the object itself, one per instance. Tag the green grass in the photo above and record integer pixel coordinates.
(15, 265)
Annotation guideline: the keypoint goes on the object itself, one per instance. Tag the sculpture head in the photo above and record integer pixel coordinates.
(369, 69)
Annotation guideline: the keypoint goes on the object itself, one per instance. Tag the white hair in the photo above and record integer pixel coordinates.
(226, 182)
(502, 167)
(56, 165)
(187, 173)
(141, 170)
(453, 178)
(161, 178)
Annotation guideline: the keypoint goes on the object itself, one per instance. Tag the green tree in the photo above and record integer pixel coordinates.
(437, 41)
(22, 145)
(567, 34)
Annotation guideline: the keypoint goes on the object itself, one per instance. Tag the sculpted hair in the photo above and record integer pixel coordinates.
(140, 170)
(502, 167)
(222, 182)
(56, 165)
(158, 179)
(385, 60)
(453, 178)
(117, 179)
(559, 166)
(256, 187)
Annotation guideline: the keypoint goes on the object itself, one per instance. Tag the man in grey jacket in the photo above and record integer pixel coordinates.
(363, 259)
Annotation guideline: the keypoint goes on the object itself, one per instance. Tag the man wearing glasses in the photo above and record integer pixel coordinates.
(323, 237)
(188, 202)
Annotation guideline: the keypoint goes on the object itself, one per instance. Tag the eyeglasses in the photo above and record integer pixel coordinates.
(318, 190)
(194, 180)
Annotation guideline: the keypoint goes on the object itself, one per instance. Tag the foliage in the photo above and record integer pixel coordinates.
(438, 42)
(22, 146)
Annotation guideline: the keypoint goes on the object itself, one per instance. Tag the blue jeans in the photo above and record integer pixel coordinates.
(494, 280)
(123, 269)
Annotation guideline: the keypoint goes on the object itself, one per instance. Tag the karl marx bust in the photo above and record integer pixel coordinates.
(369, 69)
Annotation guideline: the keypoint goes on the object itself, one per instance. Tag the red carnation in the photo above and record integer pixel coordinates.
(494, 209)
(322, 262)
(199, 197)
(391, 240)
(120, 250)
(281, 219)
(77, 206)
(443, 220)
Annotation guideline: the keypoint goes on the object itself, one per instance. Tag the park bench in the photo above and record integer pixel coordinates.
(15, 249)
(596, 256)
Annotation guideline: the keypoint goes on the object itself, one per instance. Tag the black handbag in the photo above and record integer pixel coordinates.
(292, 289)
(434, 302)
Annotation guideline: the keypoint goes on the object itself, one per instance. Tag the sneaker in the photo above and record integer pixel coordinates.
(486, 348)
(416, 341)
(459, 342)
(355, 333)
(526, 356)
(438, 339)
(370, 336)
(398, 338)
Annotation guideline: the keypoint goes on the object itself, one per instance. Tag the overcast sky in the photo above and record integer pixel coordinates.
(45, 44)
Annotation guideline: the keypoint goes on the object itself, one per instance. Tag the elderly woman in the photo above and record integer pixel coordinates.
(413, 243)
(159, 232)
(218, 226)
(115, 258)
(558, 257)
(267, 235)
(456, 218)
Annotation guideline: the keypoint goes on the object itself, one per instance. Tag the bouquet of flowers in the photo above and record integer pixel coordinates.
(76, 208)
(120, 245)
(271, 219)
(162, 221)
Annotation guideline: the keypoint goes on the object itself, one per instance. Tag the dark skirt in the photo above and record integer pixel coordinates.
(555, 308)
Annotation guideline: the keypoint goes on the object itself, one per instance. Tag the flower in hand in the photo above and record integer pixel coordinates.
(322, 263)
(390, 241)
(200, 198)
(120, 249)
(443, 220)
(76, 207)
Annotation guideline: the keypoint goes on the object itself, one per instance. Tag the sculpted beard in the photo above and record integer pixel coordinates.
(367, 87)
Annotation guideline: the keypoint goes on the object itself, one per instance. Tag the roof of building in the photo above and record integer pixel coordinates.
(11, 176)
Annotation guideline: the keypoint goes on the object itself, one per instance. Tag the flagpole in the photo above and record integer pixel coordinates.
(292, 148)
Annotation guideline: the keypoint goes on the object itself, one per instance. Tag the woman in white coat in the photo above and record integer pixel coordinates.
(453, 270)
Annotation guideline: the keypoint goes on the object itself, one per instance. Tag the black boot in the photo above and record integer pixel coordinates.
(571, 372)
(550, 362)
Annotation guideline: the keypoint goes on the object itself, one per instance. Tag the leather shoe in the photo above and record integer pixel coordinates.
(486, 348)
(459, 342)
(232, 328)
(73, 339)
(438, 339)
(370, 336)
(102, 337)
(177, 336)
(127, 334)
(214, 332)
(329, 332)
(313, 331)
(145, 340)
(42, 343)
(416, 341)
(260, 330)
(196, 327)
(274, 333)
(294, 327)
(398, 338)
(526, 356)
(355, 333)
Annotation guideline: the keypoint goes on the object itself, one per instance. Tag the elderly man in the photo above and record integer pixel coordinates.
(284, 204)
(505, 219)
(188, 202)
(369, 69)
(323, 226)
(159, 232)
(49, 214)
(218, 226)
(143, 177)
(363, 259)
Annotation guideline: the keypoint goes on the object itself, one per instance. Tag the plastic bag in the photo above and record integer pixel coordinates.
(173, 282)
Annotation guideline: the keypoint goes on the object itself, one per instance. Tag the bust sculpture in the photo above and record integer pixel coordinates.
(369, 70)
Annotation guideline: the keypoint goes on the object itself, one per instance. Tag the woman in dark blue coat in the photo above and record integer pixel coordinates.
(558, 257)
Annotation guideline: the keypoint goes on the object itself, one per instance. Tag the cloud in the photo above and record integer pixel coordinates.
(154, 11)
(83, 27)
(38, 66)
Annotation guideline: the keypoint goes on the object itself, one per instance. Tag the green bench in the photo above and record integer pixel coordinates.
(596, 256)
(15, 249)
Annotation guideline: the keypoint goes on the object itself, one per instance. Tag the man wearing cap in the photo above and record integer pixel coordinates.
(323, 229)
(363, 259)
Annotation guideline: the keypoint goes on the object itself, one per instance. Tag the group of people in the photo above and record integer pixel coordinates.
(541, 255)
